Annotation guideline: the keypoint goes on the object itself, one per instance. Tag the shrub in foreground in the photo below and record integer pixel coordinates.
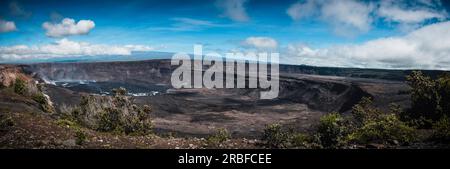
(441, 130)
(6, 122)
(219, 137)
(20, 86)
(430, 99)
(274, 136)
(112, 113)
(385, 129)
(331, 130)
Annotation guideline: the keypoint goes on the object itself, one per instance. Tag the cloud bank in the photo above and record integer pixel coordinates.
(68, 27)
(395, 11)
(352, 17)
(424, 48)
(67, 48)
(260, 43)
(346, 16)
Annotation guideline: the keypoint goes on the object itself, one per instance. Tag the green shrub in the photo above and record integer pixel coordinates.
(65, 123)
(20, 86)
(112, 114)
(430, 99)
(108, 120)
(80, 137)
(364, 111)
(40, 98)
(74, 114)
(301, 140)
(441, 130)
(443, 84)
(275, 137)
(384, 129)
(376, 126)
(135, 125)
(6, 122)
(219, 137)
(331, 130)
(424, 95)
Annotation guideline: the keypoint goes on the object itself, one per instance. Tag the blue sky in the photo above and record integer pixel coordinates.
(322, 33)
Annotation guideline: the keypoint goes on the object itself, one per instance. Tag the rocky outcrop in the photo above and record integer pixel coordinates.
(9, 74)
(23, 86)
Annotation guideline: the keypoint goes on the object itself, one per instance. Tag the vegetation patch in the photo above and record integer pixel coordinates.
(218, 138)
(331, 130)
(116, 113)
(6, 122)
(386, 129)
(80, 137)
(441, 130)
(20, 86)
(430, 99)
(274, 136)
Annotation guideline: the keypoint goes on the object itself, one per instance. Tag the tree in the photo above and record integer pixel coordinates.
(425, 98)
(331, 130)
(20, 86)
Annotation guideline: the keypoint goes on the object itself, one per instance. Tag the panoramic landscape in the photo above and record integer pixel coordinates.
(340, 74)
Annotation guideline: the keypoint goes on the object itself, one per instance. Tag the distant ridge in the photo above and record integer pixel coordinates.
(159, 64)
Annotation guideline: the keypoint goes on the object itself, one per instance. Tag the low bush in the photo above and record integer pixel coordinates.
(441, 130)
(20, 86)
(331, 130)
(80, 137)
(66, 123)
(40, 98)
(108, 120)
(385, 129)
(302, 140)
(430, 99)
(6, 122)
(112, 114)
(275, 137)
(364, 111)
(219, 137)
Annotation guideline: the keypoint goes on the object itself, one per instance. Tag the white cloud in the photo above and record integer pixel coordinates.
(346, 16)
(67, 48)
(233, 9)
(299, 10)
(394, 11)
(260, 43)
(425, 48)
(7, 26)
(351, 17)
(139, 48)
(68, 27)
